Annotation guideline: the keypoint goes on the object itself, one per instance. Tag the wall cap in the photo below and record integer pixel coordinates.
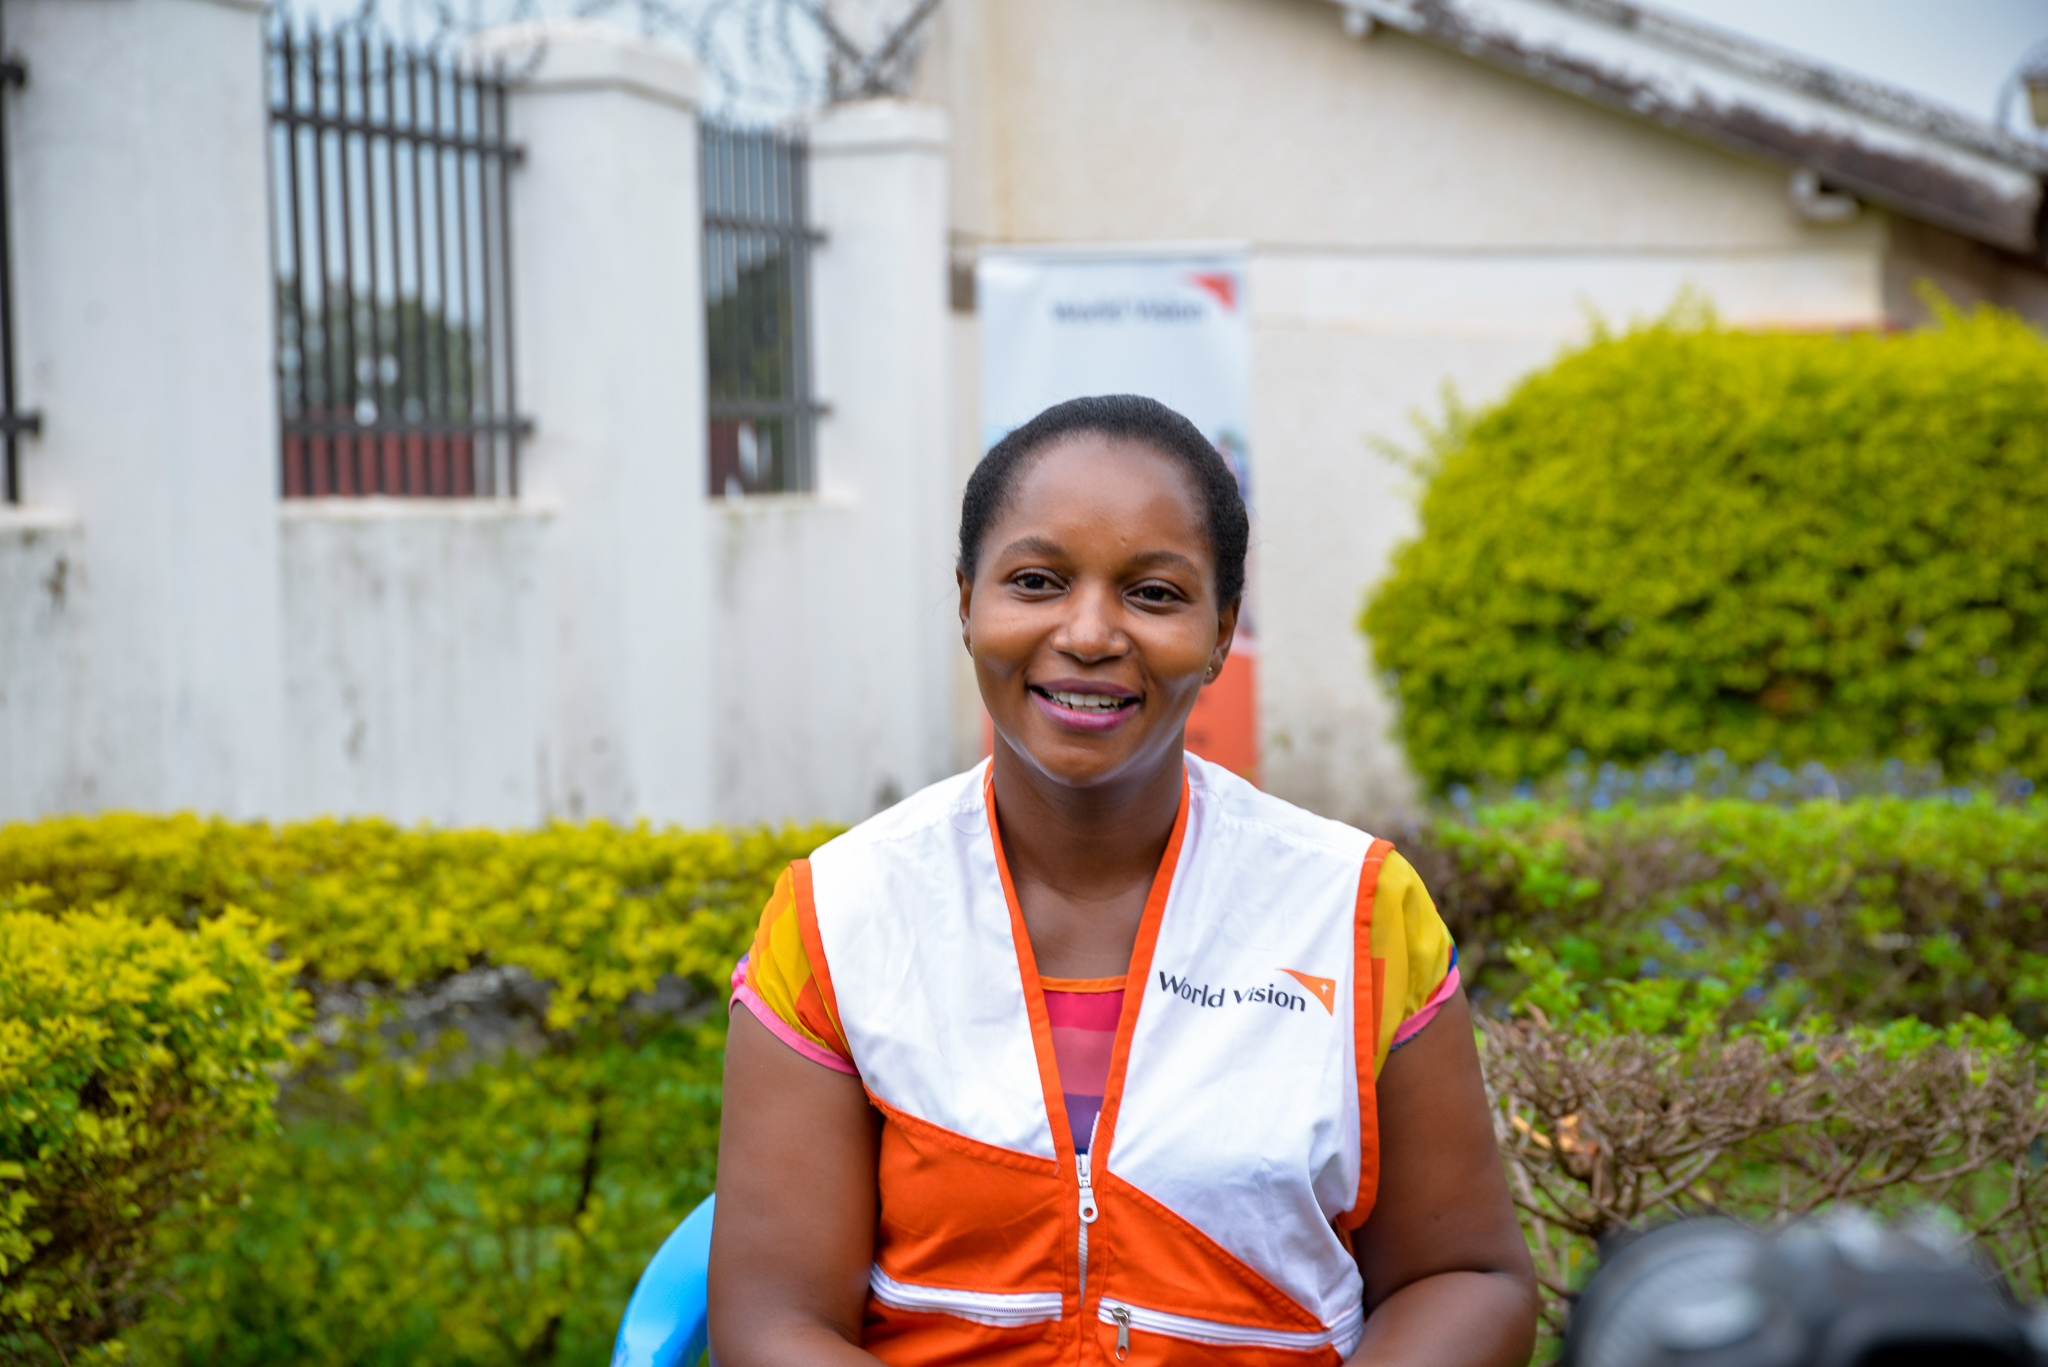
(869, 126)
(546, 56)
(27, 520)
(387, 509)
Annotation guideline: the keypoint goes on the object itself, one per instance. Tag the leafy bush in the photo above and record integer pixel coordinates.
(510, 1096)
(597, 912)
(1866, 910)
(1684, 539)
(132, 1055)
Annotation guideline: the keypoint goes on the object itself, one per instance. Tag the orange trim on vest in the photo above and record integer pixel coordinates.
(1034, 997)
(972, 1148)
(814, 946)
(1368, 983)
(1140, 973)
(1083, 984)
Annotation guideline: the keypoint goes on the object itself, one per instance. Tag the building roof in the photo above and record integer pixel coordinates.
(1857, 136)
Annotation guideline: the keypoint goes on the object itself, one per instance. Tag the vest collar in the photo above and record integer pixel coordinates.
(1134, 980)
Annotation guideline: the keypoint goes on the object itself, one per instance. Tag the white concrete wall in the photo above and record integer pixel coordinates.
(607, 258)
(144, 327)
(415, 660)
(835, 621)
(1415, 220)
(41, 731)
(173, 634)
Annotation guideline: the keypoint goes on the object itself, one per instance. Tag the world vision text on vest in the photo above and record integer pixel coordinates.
(1201, 994)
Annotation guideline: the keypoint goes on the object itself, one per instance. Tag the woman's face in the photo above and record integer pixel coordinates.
(1092, 616)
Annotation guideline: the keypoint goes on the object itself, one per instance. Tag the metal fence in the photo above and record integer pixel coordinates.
(13, 422)
(390, 232)
(757, 300)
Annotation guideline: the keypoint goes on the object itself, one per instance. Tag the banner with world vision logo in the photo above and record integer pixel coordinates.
(1060, 323)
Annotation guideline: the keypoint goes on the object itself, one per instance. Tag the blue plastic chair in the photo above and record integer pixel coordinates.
(667, 1322)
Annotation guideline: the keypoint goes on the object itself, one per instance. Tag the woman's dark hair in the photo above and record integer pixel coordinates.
(1118, 417)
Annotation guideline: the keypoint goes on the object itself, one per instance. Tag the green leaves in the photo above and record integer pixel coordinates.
(132, 1055)
(1683, 539)
(1862, 910)
(507, 1099)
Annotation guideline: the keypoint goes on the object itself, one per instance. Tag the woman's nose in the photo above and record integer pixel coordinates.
(1090, 631)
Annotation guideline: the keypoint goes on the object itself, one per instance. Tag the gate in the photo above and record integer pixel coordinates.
(757, 302)
(391, 237)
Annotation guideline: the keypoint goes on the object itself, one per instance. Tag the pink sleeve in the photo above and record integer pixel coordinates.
(743, 995)
(1410, 1028)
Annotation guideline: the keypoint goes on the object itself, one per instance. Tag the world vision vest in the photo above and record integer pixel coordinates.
(1237, 1135)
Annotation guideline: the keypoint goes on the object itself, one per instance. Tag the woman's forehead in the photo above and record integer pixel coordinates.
(1090, 480)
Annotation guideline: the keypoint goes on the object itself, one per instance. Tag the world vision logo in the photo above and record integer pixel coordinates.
(1202, 994)
(1324, 988)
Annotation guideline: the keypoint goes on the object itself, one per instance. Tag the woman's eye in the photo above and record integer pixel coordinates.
(1032, 582)
(1156, 593)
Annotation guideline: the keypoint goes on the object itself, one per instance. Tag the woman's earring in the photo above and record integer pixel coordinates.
(1210, 677)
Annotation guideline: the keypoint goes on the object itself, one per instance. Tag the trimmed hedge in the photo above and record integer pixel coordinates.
(1684, 539)
(510, 1098)
(133, 1054)
(509, 1095)
(1868, 910)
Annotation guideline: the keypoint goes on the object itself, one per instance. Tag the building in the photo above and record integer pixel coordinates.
(1446, 193)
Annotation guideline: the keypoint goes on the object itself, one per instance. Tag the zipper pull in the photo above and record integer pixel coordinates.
(1088, 1209)
(1122, 1317)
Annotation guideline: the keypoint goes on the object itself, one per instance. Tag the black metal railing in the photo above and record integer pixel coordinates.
(757, 302)
(390, 214)
(13, 422)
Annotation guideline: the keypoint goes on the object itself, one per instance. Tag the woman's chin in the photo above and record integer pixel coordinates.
(1082, 759)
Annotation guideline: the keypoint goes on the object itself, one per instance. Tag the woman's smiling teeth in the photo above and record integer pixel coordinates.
(1085, 702)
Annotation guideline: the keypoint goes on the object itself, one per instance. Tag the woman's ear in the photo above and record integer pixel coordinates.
(966, 606)
(1226, 632)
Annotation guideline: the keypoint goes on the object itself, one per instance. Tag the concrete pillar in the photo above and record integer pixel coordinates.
(144, 313)
(609, 313)
(836, 622)
(879, 193)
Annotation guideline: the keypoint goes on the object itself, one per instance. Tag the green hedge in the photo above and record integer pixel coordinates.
(1871, 910)
(1685, 538)
(509, 1094)
(510, 1097)
(133, 1056)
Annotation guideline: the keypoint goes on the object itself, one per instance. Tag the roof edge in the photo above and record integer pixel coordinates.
(1881, 143)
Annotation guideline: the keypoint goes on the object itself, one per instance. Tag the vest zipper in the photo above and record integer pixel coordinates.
(1343, 1336)
(1088, 1207)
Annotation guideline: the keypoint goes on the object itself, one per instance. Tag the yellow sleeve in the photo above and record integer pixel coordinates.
(1413, 953)
(777, 983)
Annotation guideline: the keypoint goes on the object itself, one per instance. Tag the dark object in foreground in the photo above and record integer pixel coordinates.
(1845, 1291)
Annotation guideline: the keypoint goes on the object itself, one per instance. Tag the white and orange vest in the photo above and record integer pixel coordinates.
(1236, 1147)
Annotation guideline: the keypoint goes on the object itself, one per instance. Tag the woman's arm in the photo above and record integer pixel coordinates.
(1447, 1277)
(795, 1234)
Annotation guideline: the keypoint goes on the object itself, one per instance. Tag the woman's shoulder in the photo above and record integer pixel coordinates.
(1236, 801)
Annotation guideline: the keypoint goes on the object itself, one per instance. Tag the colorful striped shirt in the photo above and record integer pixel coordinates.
(1083, 1013)
(1420, 971)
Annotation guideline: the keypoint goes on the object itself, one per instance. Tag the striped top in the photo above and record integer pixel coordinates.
(1084, 1013)
(775, 982)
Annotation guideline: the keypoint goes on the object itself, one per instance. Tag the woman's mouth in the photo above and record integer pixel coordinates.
(1084, 711)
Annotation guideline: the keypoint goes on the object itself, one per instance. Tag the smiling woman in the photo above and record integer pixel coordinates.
(1059, 1117)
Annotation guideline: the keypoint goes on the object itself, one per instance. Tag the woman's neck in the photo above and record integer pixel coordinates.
(1087, 844)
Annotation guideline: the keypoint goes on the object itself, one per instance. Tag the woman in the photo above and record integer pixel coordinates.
(1095, 1053)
